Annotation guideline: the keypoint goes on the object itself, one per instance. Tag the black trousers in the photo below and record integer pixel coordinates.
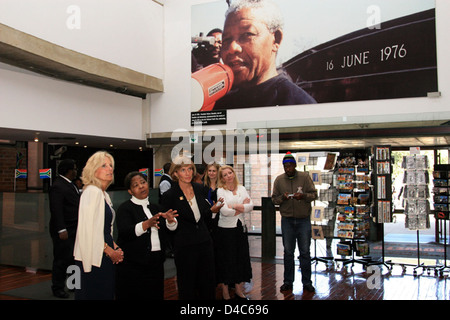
(62, 258)
(195, 272)
(143, 280)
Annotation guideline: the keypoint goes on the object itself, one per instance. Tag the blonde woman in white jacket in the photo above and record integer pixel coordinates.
(232, 247)
(95, 251)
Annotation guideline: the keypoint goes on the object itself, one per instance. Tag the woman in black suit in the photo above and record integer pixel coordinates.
(141, 275)
(193, 248)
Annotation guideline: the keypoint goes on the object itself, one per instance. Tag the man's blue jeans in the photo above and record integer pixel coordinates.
(296, 231)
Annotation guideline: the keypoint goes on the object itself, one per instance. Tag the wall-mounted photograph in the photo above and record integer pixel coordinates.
(291, 52)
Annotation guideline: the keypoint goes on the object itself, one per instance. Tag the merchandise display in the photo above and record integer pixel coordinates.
(323, 212)
(441, 191)
(353, 184)
(382, 177)
(353, 204)
(355, 194)
(416, 192)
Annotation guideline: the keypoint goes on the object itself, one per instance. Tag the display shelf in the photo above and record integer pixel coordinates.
(415, 201)
(381, 161)
(353, 207)
(382, 179)
(323, 209)
(441, 193)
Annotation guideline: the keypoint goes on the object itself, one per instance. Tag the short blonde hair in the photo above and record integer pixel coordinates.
(94, 162)
(222, 182)
(177, 163)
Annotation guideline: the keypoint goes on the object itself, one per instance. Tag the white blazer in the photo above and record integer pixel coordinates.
(89, 241)
(227, 215)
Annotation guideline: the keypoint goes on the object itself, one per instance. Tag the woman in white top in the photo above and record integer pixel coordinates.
(233, 249)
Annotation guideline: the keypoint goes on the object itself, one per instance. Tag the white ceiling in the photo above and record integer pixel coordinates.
(11, 136)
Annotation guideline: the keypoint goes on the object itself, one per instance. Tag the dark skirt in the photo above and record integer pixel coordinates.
(97, 284)
(141, 281)
(233, 256)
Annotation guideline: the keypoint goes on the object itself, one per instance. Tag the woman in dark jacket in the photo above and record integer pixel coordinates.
(141, 233)
(193, 248)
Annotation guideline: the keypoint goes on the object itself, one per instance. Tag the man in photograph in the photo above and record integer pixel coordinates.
(204, 55)
(252, 36)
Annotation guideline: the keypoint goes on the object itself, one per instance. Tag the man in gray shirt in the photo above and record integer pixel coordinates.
(294, 191)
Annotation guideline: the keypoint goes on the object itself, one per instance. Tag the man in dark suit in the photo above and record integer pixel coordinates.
(166, 180)
(64, 201)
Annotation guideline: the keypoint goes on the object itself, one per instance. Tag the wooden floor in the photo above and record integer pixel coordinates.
(335, 283)
(15, 277)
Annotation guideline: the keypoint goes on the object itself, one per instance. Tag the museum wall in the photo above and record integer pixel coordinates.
(176, 98)
(129, 34)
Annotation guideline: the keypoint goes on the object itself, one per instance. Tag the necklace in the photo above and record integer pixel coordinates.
(189, 198)
(188, 193)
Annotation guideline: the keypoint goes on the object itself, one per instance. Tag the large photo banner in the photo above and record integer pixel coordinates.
(291, 52)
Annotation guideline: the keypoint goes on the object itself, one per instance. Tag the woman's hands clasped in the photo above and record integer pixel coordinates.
(116, 255)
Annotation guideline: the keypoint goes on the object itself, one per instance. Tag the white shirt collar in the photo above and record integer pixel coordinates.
(65, 178)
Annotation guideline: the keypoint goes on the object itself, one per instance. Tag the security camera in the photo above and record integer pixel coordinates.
(60, 151)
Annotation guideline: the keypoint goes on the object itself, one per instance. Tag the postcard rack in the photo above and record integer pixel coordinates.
(441, 194)
(353, 207)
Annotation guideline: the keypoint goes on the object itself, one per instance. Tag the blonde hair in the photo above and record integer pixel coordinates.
(94, 162)
(177, 163)
(222, 183)
(207, 181)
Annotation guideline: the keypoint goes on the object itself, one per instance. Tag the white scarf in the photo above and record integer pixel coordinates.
(156, 246)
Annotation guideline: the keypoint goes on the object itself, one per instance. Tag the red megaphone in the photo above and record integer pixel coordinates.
(209, 85)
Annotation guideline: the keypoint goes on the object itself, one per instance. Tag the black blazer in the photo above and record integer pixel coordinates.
(188, 232)
(64, 202)
(137, 249)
